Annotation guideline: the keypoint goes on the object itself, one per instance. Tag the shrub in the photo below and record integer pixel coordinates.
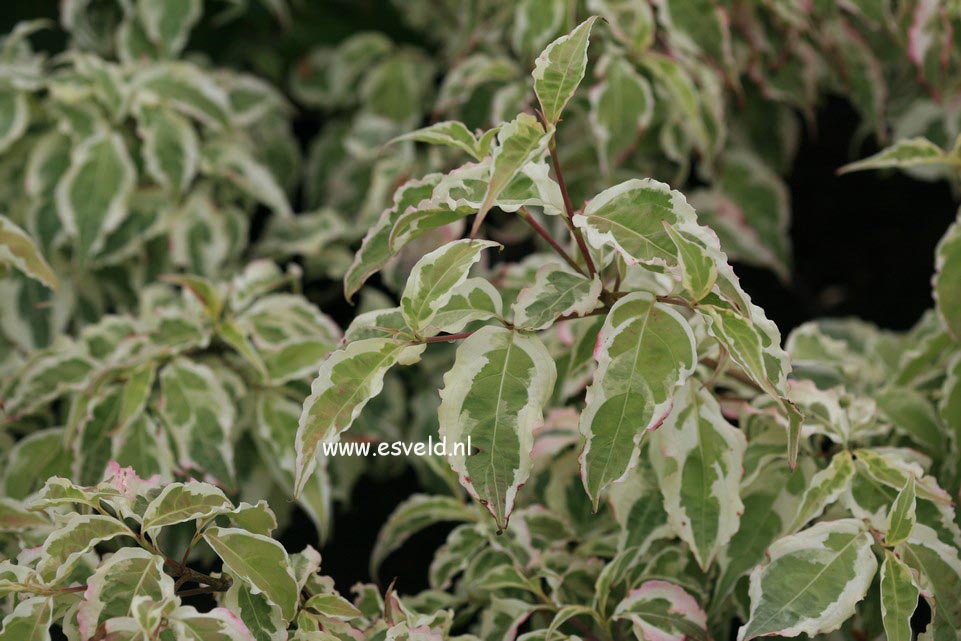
(645, 457)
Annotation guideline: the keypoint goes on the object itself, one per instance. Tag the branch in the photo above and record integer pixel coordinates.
(543, 233)
(578, 236)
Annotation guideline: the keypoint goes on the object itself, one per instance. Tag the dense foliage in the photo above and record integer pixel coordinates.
(647, 457)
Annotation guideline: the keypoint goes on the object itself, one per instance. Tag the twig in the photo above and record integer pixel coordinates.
(543, 233)
(578, 236)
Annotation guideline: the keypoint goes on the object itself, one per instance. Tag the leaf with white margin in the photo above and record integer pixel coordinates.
(899, 598)
(698, 457)
(19, 250)
(493, 398)
(903, 515)
(333, 606)
(220, 624)
(433, 279)
(939, 567)
(473, 300)
(91, 197)
(412, 515)
(264, 619)
(258, 560)
(519, 142)
(556, 291)
(824, 489)
(559, 70)
(697, 266)
(14, 517)
(170, 149)
(663, 611)
(812, 581)
(909, 152)
(129, 573)
(200, 416)
(14, 117)
(182, 502)
(631, 217)
(950, 405)
(947, 294)
(622, 106)
(375, 250)
(62, 550)
(644, 352)
(450, 133)
(239, 166)
(188, 89)
(347, 379)
(168, 23)
(29, 621)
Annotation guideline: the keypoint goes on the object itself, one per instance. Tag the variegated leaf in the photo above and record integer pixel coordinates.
(262, 617)
(903, 514)
(910, 152)
(19, 250)
(939, 567)
(698, 457)
(92, 195)
(559, 70)
(182, 502)
(812, 581)
(62, 550)
(348, 378)
(30, 621)
(434, 278)
(824, 489)
(645, 351)
(258, 560)
(492, 400)
(519, 142)
(622, 106)
(947, 294)
(663, 611)
(450, 133)
(556, 292)
(899, 598)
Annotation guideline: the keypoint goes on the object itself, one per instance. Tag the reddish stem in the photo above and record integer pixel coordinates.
(543, 233)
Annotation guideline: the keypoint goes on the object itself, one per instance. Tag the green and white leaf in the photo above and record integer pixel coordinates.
(80, 533)
(20, 251)
(909, 152)
(182, 502)
(91, 197)
(698, 457)
(260, 561)
(903, 515)
(899, 598)
(812, 581)
(347, 380)
(664, 611)
(450, 133)
(559, 70)
(556, 292)
(947, 294)
(645, 351)
(30, 621)
(434, 278)
(492, 400)
(824, 489)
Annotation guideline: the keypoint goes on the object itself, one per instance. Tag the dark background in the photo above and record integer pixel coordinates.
(863, 243)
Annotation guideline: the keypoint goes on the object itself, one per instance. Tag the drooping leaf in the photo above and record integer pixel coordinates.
(939, 566)
(698, 457)
(258, 560)
(645, 351)
(492, 399)
(812, 581)
(559, 70)
(411, 516)
(19, 250)
(347, 380)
